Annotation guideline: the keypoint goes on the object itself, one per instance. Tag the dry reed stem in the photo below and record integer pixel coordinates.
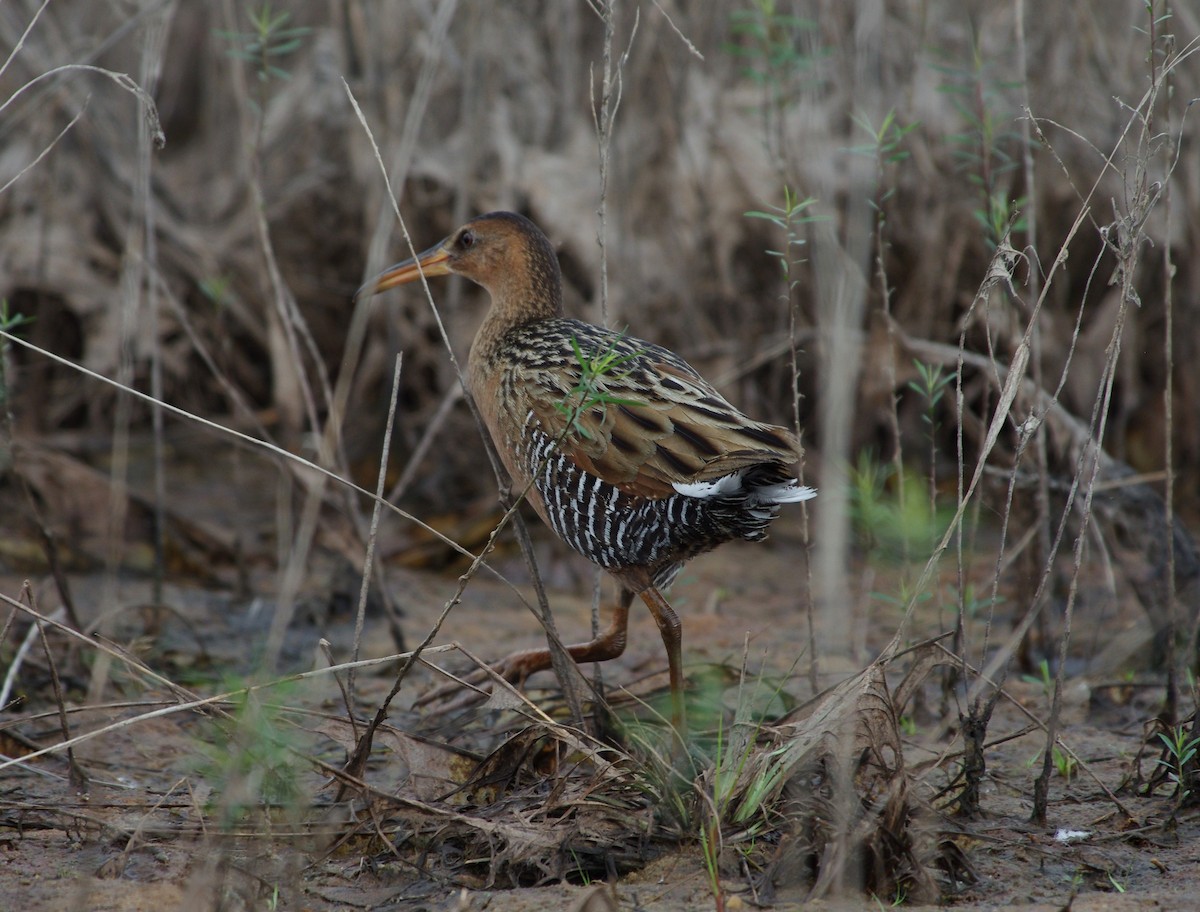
(377, 246)
(604, 117)
(433, 427)
(136, 279)
(360, 613)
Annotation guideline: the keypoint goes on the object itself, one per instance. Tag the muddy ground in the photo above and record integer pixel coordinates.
(195, 809)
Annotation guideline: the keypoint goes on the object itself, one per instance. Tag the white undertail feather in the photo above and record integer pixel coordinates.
(722, 487)
(726, 485)
(784, 492)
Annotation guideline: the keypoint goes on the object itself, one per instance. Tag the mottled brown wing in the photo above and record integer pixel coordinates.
(650, 423)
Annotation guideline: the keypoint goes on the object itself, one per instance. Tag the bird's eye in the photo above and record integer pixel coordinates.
(466, 239)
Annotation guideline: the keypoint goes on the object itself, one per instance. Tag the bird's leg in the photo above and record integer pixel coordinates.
(608, 645)
(672, 637)
(516, 667)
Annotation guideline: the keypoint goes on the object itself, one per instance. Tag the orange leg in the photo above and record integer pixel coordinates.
(608, 645)
(672, 637)
(517, 667)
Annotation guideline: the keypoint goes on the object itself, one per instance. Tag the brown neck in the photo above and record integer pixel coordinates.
(527, 290)
(524, 282)
(532, 289)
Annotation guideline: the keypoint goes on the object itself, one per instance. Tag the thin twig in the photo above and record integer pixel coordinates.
(21, 41)
(254, 442)
(79, 778)
(1100, 414)
(682, 37)
(1179, 656)
(560, 660)
(153, 44)
(369, 560)
(416, 459)
(149, 111)
(192, 702)
(46, 151)
(347, 700)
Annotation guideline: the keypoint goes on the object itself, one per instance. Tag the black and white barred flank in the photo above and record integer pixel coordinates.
(618, 530)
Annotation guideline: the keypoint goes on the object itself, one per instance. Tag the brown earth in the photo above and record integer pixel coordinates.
(158, 827)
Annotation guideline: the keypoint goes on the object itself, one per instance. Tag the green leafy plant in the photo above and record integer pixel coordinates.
(1064, 763)
(986, 149)
(768, 41)
(885, 149)
(972, 603)
(931, 385)
(885, 145)
(252, 762)
(737, 797)
(788, 218)
(1042, 678)
(884, 520)
(777, 54)
(11, 321)
(216, 289)
(726, 800)
(898, 900)
(603, 364)
(1179, 752)
(269, 40)
(581, 870)
(710, 848)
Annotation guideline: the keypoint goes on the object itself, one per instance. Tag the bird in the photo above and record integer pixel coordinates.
(620, 446)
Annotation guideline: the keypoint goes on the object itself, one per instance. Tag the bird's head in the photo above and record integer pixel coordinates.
(504, 252)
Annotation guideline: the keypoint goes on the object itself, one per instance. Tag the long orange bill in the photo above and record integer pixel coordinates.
(433, 262)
